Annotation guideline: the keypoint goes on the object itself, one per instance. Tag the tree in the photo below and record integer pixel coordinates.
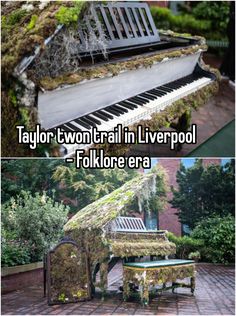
(218, 235)
(74, 187)
(33, 222)
(32, 175)
(204, 192)
(82, 187)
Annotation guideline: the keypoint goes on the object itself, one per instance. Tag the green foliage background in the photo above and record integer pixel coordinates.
(31, 224)
(218, 235)
(205, 18)
(204, 192)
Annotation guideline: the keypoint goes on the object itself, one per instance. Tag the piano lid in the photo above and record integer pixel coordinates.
(100, 213)
(119, 24)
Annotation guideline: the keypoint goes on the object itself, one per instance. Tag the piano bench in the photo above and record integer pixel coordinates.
(152, 273)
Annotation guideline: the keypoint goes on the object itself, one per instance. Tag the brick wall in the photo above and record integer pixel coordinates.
(210, 161)
(163, 4)
(168, 219)
(21, 280)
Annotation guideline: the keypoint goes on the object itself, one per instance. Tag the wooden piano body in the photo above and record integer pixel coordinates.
(107, 233)
(135, 71)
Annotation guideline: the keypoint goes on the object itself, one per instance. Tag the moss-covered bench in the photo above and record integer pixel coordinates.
(152, 273)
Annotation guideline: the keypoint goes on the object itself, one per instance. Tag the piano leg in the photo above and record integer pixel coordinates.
(103, 277)
(126, 289)
(192, 284)
(144, 293)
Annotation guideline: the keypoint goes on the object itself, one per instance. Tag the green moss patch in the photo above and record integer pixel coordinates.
(113, 69)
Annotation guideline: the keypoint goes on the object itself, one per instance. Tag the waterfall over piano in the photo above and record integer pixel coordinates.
(135, 72)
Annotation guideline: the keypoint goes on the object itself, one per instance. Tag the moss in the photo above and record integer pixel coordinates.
(32, 22)
(113, 69)
(70, 15)
(141, 247)
(100, 212)
(69, 278)
(90, 226)
(13, 18)
(156, 276)
(12, 97)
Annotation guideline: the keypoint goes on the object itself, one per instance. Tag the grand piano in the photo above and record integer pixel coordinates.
(107, 229)
(120, 70)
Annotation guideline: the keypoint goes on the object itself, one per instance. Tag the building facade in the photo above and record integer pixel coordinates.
(168, 219)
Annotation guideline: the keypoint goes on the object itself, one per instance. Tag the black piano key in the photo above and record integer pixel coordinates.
(109, 116)
(128, 105)
(189, 79)
(97, 122)
(75, 128)
(185, 80)
(182, 83)
(173, 85)
(112, 111)
(65, 128)
(101, 116)
(155, 93)
(161, 91)
(131, 103)
(165, 89)
(169, 89)
(135, 101)
(121, 108)
(87, 121)
(197, 76)
(148, 96)
(142, 99)
(82, 123)
(158, 93)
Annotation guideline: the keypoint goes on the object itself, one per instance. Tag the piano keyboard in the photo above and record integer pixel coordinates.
(134, 109)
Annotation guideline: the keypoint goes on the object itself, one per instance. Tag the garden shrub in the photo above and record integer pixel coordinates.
(14, 253)
(36, 223)
(215, 11)
(186, 23)
(207, 18)
(185, 245)
(218, 234)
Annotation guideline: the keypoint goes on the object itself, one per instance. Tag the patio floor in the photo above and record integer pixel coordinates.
(214, 295)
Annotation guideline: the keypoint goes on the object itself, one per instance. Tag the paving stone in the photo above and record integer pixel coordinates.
(209, 299)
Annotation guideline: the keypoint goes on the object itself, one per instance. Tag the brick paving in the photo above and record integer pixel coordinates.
(214, 295)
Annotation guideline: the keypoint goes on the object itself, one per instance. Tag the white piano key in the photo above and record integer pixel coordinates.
(139, 113)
